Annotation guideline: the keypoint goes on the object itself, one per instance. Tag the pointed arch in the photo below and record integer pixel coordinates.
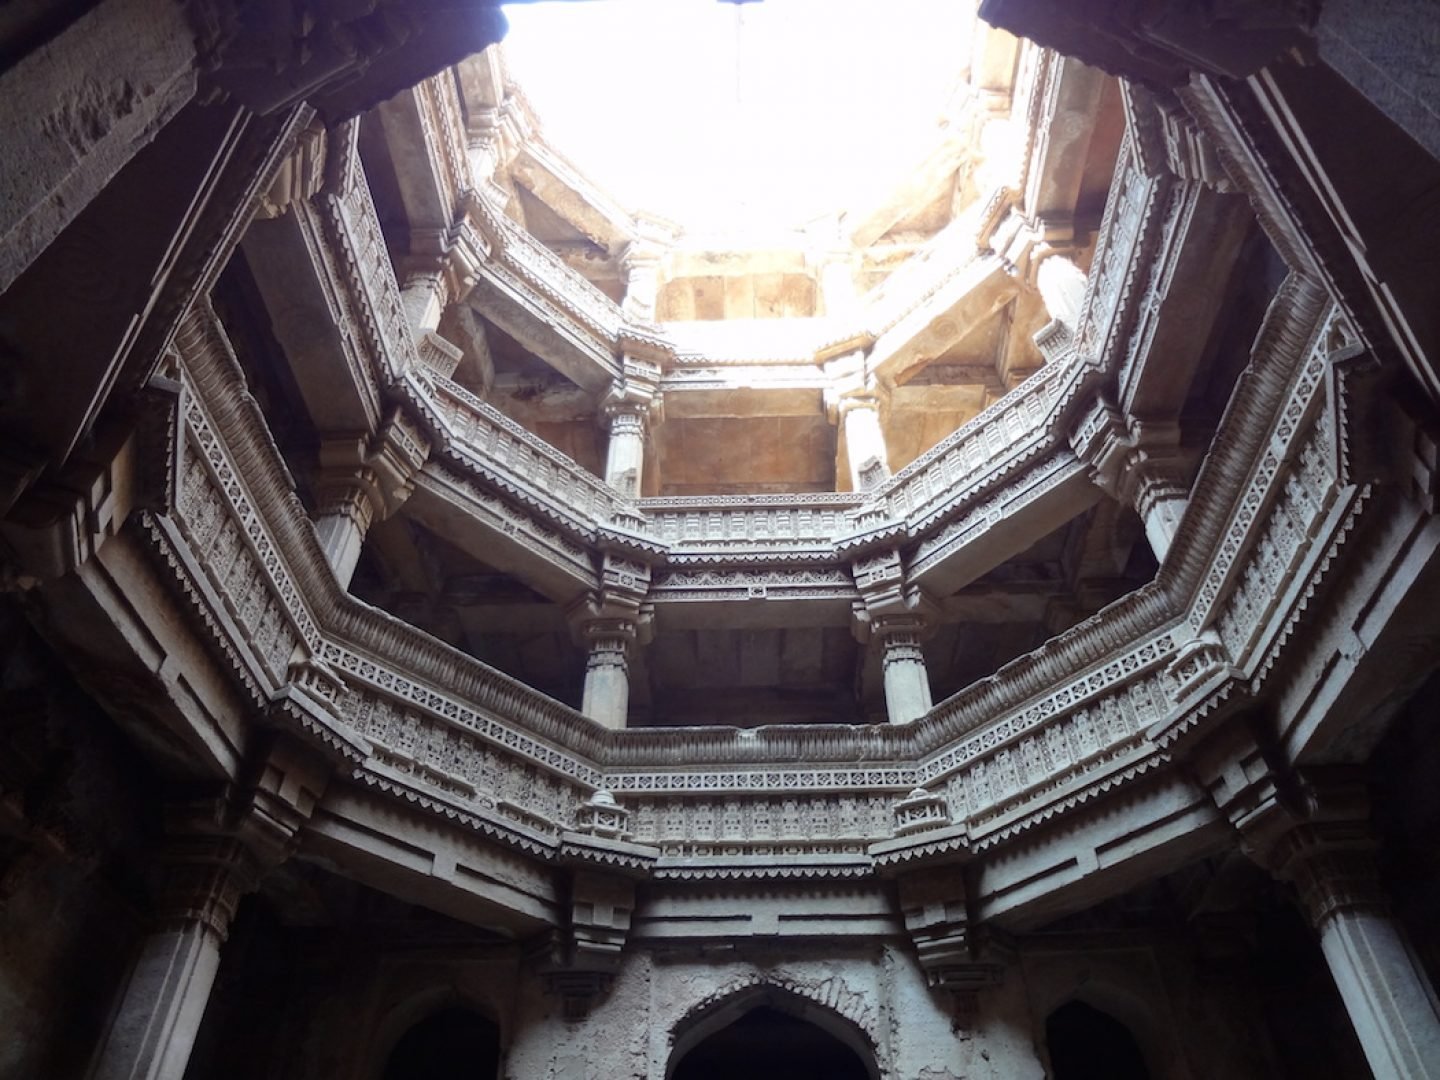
(819, 1009)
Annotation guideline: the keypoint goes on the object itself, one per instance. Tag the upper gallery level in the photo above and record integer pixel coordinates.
(341, 548)
(834, 472)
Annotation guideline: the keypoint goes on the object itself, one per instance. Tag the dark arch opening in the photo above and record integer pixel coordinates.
(768, 1044)
(452, 1042)
(1087, 1044)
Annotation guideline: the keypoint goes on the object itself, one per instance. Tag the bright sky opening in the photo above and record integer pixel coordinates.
(740, 119)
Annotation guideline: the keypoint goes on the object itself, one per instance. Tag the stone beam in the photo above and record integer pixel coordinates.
(571, 196)
(544, 329)
(1057, 166)
(814, 911)
(928, 330)
(1175, 329)
(370, 839)
(82, 105)
(931, 178)
(1097, 853)
(501, 535)
(1029, 509)
(420, 172)
(102, 300)
(332, 371)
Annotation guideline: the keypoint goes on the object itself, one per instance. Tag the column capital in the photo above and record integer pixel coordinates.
(1333, 868)
(201, 879)
(958, 956)
(1308, 827)
(635, 393)
(382, 467)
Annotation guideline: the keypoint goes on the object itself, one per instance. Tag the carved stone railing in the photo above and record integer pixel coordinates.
(1050, 730)
(1087, 712)
(519, 462)
(975, 456)
(1118, 272)
(519, 252)
(355, 230)
(773, 528)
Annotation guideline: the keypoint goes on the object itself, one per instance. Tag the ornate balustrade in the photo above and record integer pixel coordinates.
(446, 732)
(1091, 710)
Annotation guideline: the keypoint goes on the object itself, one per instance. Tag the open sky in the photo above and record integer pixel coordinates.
(738, 119)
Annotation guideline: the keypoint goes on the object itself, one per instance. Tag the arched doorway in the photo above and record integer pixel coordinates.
(767, 1043)
(1087, 1044)
(446, 1044)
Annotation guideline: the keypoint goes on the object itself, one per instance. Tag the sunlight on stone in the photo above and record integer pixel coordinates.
(743, 119)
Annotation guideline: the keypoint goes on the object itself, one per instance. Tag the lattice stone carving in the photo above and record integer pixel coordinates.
(919, 811)
(601, 815)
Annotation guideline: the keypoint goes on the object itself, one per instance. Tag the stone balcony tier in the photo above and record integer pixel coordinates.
(1091, 711)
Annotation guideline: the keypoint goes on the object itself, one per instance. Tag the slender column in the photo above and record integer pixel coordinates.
(1160, 499)
(625, 456)
(153, 1030)
(837, 284)
(424, 295)
(864, 442)
(907, 682)
(642, 283)
(344, 517)
(642, 262)
(1385, 990)
(607, 671)
(361, 481)
(1139, 464)
(1062, 288)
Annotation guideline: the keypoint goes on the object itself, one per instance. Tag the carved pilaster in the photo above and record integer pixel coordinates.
(579, 961)
(632, 403)
(896, 616)
(363, 480)
(952, 954)
(865, 449)
(1138, 464)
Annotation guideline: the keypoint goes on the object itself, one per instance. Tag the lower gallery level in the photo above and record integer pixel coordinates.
(453, 624)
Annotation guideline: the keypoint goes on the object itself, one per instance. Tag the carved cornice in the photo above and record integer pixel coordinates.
(1069, 723)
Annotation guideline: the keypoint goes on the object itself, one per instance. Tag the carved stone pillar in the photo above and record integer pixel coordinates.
(343, 516)
(1062, 288)
(360, 482)
(625, 455)
(907, 682)
(1312, 830)
(580, 959)
(837, 283)
(424, 292)
(927, 858)
(1160, 499)
(629, 407)
(607, 670)
(610, 624)
(642, 262)
(1385, 990)
(864, 442)
(894, 614)
(153, 1030)
(1139, 464)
